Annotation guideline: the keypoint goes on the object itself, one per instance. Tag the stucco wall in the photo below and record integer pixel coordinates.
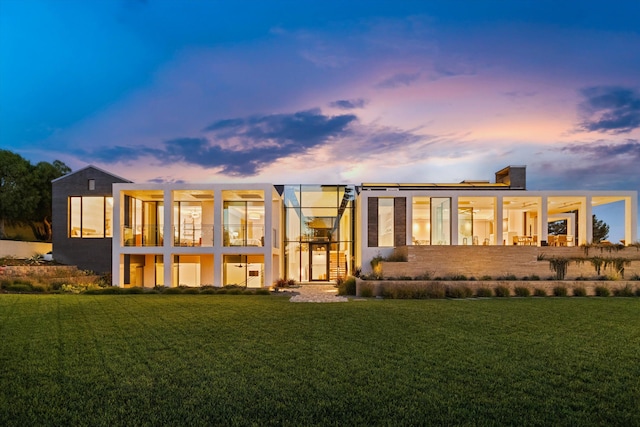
(23, 249)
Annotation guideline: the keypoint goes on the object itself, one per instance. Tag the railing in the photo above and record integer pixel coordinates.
(145, 235)
(243, 235)
(193, 235)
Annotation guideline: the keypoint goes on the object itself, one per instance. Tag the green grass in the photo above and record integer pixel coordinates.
(243, 360)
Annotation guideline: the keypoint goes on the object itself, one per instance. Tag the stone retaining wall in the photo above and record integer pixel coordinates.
(47, 273)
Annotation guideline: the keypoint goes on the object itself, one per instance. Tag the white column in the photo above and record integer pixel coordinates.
(631, 219)
(218, 234)
(268, 236)
(543, 220)
(116, 240)
(585, 226)
(499, 219)
(167, 258)
(409, 219)
(454, 220)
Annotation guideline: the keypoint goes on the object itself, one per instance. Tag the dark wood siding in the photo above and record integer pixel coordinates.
(399, 221)
(372, 219)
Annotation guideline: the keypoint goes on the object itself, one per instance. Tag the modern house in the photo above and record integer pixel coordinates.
(253, 234)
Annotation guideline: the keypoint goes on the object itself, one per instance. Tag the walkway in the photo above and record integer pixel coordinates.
(316, 293)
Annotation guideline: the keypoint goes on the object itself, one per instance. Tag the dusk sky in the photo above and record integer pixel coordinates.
(326, 91)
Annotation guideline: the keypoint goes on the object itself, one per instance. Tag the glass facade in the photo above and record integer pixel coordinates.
(319, 231)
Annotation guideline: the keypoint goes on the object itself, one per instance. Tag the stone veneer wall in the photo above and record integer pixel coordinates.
(500, 261)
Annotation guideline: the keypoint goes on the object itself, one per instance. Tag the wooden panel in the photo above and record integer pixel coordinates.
(372, 218)
(399, 221)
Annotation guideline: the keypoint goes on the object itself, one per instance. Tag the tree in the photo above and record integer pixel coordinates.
(25, 192)
(600, 230)
(17, 197)
(43, 174)
(558, 227)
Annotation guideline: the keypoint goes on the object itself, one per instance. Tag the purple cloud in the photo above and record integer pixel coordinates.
(610, 109)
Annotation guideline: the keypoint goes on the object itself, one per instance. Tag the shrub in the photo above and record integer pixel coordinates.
(235, 291)
(521, 291)
(191, 291)
(395, 258)
(348, 287)
(559, 266)
(485, 278)
(414, 291)
(366, 290)
(262, 291)
(623, 292)
(19, 287)
(134, 290)
(248, 292)
(284, 283)
(508, 277)
(459, 277)
(637, 292)
(425, 276)
(602, 291)
(221, 291)
(559, 291)
(534, 277)
(4, 284)
(483, 293)
(459, 292)
(435, 290)
(539, 292)
(579, 292)
(110, 290)
(501, 291)
(176, 290)
(636, 276)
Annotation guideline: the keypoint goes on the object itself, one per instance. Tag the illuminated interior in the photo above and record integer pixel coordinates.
(90, 217)
(244, 217)
(318, 231)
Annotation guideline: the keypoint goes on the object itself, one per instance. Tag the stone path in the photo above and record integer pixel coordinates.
(315, 293)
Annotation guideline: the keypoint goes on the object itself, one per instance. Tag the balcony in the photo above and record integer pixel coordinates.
(146, 235)
(244, 235)
(193, 235)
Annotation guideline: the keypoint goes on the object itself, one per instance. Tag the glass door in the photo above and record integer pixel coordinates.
(319, 261)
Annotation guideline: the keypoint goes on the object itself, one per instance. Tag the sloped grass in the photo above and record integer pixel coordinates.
(242, 360)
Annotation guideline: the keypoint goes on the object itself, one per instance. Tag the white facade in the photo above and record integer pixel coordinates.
(191, 235)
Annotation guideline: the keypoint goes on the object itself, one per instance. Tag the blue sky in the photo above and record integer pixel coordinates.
(294, 91)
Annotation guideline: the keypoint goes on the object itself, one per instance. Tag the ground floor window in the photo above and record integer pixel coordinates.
(243, 270)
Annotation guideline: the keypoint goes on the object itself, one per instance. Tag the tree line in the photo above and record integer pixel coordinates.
(25, 192)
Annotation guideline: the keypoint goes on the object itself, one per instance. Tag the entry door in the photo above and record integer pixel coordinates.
(319, 262)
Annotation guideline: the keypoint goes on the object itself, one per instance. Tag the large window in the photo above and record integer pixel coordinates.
(90, 217)
(243, 220)
(243, 270)
(440, 221)
(385, 222)
(421, 228)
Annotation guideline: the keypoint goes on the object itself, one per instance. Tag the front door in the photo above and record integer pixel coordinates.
(319, 261)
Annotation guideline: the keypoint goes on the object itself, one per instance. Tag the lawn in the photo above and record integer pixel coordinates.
(243, 360)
